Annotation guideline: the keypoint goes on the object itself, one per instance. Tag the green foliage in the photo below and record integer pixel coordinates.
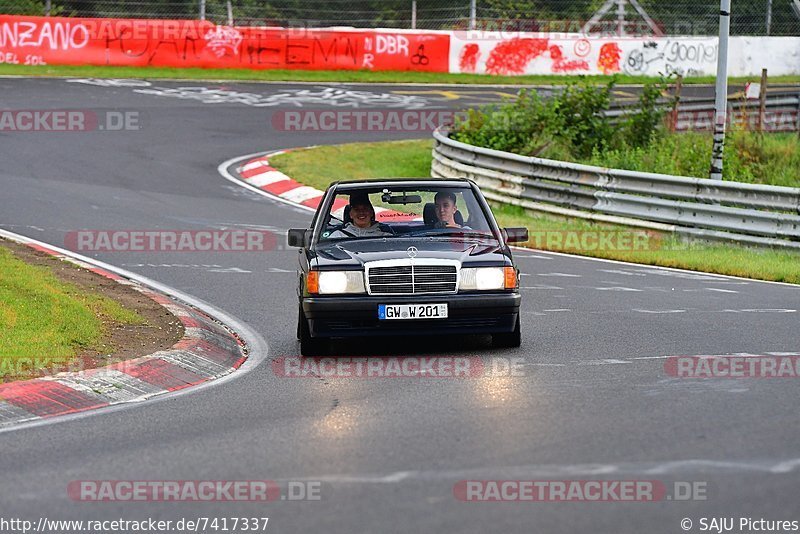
(772, 159)
(569, 125)
(28, 7)
(643, 126)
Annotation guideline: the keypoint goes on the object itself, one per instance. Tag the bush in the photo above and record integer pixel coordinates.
(571, 124)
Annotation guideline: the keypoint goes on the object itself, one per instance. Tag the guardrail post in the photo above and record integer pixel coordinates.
(762, 101)
(797, 119)
(673, 122)
(413, 14)
(47, 7)
(202, 9)
(230, 13)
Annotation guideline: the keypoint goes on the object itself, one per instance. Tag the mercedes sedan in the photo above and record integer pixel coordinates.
(405, 257)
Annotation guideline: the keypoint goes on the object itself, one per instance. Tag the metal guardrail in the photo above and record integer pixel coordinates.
(781, 114)
(753, 214)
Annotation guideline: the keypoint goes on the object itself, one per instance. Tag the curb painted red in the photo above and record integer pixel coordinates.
(259, 173)
(207, 351)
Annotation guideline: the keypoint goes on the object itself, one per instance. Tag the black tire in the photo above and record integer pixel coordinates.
(510, 340)
(310, 346)
(300, 320)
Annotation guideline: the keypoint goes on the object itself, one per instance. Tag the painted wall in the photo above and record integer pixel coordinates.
(182, 43)
(496, 53)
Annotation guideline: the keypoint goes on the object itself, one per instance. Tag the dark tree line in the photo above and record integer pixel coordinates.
(676, 17)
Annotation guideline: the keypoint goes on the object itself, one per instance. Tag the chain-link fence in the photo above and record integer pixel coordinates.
(612, 17)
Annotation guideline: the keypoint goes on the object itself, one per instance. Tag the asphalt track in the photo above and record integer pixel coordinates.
(593, 400)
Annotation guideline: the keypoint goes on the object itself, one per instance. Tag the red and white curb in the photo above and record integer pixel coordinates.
(260, 174)
(209, 350)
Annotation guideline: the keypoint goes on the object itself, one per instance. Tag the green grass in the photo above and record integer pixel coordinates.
(772, 159)
(320, 166)
(46, 321)
(91, 71)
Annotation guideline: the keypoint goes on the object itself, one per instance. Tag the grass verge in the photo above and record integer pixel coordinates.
(772, 158)
(332, 76)
(49, 321)
(318, 167)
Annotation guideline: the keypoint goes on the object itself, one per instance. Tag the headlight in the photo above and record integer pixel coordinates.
(338, 282)
(488, 278)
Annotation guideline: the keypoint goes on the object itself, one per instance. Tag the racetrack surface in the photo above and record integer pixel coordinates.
(593, 400)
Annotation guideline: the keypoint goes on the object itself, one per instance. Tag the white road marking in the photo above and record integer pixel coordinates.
(759, 310)
(605, 361)
(565, 275)
(617, 288)
(558, 310)
(690, 466)
(658, 311)
(685, 275)
(719, 290)
(230, 270)
(619, 271)
(540, 287)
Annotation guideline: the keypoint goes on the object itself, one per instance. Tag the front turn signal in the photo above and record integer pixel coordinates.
(312, 282)
(510, 277)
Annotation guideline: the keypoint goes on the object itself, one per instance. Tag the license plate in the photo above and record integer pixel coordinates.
(412, 311)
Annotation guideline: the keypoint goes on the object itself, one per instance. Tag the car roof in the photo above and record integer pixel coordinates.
(387, 182)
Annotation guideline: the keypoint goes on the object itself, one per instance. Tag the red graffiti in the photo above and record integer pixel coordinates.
(192, 44)
(561, 64)
(468, 60)
(512, 56)
(608, 61)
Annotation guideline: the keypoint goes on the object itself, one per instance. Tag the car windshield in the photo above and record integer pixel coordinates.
(406, 211)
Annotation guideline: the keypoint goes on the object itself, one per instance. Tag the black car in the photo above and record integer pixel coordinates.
(406, 257)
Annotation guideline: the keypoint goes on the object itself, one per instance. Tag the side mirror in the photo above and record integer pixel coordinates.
(297, 237)
(515, 235)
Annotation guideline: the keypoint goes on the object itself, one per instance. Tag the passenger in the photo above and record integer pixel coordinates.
(362, 220)
(445, 202)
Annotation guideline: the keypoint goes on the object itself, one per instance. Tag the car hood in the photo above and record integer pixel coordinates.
(356, 252)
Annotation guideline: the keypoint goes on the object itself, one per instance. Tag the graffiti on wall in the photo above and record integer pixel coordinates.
(581, 55)
(692, 58)
(191, 43)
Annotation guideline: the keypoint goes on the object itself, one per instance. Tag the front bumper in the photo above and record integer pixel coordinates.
(357, 315)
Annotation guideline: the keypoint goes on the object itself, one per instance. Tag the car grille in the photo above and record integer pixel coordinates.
(412, 279)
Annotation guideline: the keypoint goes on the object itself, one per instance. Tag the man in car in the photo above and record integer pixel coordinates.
(445, 202)
(362, 219)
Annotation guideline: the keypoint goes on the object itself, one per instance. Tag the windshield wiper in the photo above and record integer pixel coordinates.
(449, 233)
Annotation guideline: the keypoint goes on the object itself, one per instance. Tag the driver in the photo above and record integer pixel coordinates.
(362, 223)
